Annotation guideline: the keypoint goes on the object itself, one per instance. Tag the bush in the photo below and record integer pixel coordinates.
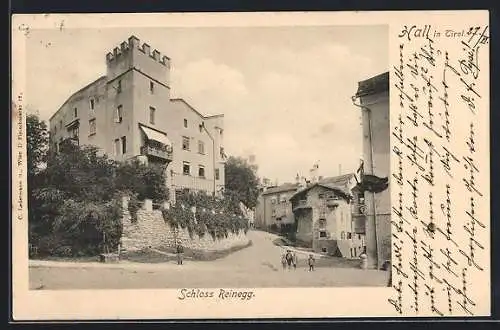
(212, 215)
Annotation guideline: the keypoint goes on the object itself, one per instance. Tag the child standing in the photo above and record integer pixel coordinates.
(310, 261)
(283, 261)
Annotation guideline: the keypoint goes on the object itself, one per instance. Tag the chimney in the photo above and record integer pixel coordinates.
(156, 54)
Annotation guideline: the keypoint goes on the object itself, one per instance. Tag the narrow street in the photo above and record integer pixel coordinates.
(255, 266)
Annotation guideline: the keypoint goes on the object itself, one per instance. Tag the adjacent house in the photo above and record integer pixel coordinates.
(322, 212)
(274, 208)
(372, 98)
(129, 113)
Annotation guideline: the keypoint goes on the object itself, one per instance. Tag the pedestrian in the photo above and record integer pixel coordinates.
(180, 251)
(311, 261)
(289, 258)
(283, 260)
(294, 260)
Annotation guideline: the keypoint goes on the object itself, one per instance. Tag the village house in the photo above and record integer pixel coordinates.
(323, 214)
(274, 208)
(129, 114)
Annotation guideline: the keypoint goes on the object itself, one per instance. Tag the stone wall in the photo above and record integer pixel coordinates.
(151, 231)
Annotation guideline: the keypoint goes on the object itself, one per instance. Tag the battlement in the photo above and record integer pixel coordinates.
(134, 43)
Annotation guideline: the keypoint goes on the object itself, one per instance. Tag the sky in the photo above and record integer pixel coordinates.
(285, 92)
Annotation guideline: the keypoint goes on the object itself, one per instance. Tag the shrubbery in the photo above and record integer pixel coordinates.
(214, 216)
(75, 201)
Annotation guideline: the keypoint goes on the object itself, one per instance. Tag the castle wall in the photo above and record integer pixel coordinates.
(151, 231)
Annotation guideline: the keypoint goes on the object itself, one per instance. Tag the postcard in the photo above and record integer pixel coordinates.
(250, 165)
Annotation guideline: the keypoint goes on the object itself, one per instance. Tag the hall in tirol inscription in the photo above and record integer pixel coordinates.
(440, 171)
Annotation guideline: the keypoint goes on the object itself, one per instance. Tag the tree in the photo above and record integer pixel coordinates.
(37, 140)
(81, 172)
(75, 206)
(145, 181)
(242, 182)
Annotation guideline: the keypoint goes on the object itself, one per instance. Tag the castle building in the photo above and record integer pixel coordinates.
(129, 113)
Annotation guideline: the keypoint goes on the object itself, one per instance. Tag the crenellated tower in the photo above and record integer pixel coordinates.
(133, 54)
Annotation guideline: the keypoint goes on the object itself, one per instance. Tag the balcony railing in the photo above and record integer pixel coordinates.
(161, 153)
(332, 202)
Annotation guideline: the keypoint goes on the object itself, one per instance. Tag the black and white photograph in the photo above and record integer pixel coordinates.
(211, 157)
(249, 165)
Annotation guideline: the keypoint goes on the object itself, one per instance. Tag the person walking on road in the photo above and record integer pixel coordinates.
(289, 258)
(283, 260)
(310, 262)
(294, 261)
(180, 251)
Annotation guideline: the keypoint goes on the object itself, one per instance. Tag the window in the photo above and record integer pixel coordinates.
(92, 103)
(92, 127)
(324, 250)
(119, 87)
(186, 168)
(75, 112)
(201, 127)
(117, 147)
(201, 171)
(60, 123)
(124, 144)
(342, 235)
(151, 87)
(322, 223)
(322, 233)
(75, 132)
(321, 196)
(185, 143)
(119, 114)
(222, 153)
(201, 147)
(217, 174)
(221, 131)
(349, 235)
(152, 115)
(185, 123)
(55, 129)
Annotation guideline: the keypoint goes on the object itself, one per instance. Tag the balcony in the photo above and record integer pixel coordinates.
(164, 154)
(301, 204)
(332, 202)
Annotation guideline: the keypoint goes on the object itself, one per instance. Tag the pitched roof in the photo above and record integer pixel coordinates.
(194, 110)
(341, 190)
(281, 188)
(341, 180)
(98, 80)
(337, 183)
